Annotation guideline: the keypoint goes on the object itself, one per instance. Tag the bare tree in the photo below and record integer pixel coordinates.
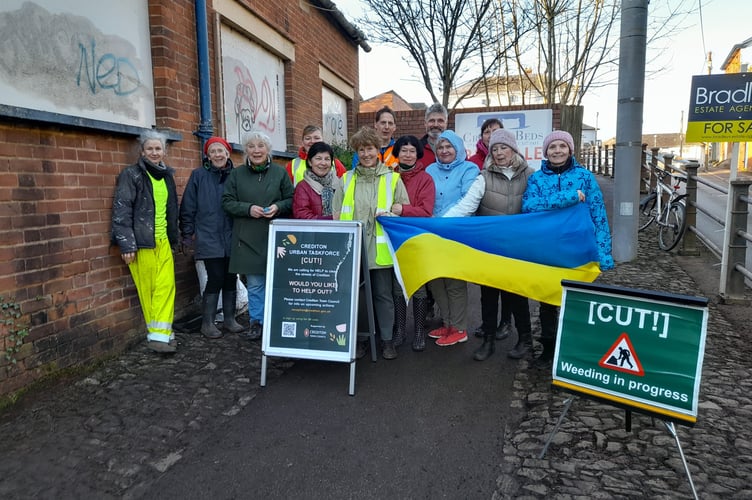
(449, 40)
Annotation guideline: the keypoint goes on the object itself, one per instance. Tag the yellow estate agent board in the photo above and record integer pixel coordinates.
(720, 108)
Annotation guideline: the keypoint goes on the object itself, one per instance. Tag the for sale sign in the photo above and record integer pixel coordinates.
(720, 108)
(637, 348)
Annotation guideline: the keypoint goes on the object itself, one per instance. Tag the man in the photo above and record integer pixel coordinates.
(436, 123)
(385, 126)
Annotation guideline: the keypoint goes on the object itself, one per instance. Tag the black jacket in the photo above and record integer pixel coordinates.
(201, 213)
(133, 209)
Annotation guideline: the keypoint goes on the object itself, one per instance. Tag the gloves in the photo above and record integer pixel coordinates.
(186, 246)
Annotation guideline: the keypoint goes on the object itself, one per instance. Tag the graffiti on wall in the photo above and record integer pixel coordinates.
(96, 65)
(253, 90)
(334, 109)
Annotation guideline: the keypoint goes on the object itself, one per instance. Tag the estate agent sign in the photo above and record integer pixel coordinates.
(720, 108)
(632, 347)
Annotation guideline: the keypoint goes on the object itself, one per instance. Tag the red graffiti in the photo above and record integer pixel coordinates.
(254, 110)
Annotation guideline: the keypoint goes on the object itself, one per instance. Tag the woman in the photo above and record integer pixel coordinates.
(498, 190)
(481, 147)
(422, 194)
(255, 193)
(452, 175)
(145, 227)
(313, 197)
(370, 190)
(297, 167)
(206, 232)
(562, 182)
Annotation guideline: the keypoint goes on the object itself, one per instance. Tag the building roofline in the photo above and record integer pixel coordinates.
(743, 45)
(355, 34)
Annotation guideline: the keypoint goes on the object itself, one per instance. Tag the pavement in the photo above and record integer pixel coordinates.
(428, 425)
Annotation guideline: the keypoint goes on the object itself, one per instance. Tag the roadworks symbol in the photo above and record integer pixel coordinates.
(622, 357)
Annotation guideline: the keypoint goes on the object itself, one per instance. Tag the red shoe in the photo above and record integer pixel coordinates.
(438, 333)
(455, 337)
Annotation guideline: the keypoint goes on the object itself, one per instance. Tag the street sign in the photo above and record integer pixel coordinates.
(636, 348)
(720, 108)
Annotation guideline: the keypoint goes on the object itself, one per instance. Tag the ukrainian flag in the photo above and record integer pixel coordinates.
(527, 254)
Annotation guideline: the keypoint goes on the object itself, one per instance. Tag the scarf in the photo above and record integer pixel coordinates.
(156, 171)
(258, 168)
(323, 187)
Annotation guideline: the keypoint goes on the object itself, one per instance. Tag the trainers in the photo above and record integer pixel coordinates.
(254, 332)
(454, 337)
(162, 347)
(438, 333)
(361, 349)
(479, 332)
(388, 351)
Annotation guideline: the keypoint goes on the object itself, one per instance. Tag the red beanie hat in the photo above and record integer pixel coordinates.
(558, 135)
(215, 140)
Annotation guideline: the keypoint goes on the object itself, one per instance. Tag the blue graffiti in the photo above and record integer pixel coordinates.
(109, 72)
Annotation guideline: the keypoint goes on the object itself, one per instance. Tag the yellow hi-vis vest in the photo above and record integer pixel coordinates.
(384, 203)
(299, 167)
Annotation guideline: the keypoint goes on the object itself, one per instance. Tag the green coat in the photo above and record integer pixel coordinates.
(244, 188)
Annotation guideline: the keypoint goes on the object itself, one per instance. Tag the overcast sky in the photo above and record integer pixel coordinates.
(725, 23)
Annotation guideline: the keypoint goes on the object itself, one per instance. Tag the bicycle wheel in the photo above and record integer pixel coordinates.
(672, 226)
(647, 211)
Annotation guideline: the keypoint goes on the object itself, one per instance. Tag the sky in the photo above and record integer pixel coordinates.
(724, 24)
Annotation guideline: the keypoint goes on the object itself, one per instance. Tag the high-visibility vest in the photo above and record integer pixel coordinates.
(299, 167)
(384, 201)
(388, 158)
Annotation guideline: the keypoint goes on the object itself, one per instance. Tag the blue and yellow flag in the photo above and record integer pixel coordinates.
(527, 254)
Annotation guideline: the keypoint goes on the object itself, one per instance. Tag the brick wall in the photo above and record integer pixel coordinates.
(57, 181)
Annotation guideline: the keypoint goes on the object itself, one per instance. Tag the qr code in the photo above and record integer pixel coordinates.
(288, 329)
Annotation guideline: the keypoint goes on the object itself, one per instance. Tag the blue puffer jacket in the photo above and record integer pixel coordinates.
(452, 180)
(201, 213)
(548, 189)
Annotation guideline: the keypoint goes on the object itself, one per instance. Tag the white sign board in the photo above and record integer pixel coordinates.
(253, 83)
(530, 127)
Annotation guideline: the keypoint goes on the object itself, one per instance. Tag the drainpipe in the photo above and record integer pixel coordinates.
(205, 127)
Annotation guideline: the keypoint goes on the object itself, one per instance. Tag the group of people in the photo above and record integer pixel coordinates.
(224, 218)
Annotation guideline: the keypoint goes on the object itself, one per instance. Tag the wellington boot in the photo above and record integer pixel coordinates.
(420, 309)
(523, 347)
(230, 324)
(486, 349)
(208, 311)
(400, 318)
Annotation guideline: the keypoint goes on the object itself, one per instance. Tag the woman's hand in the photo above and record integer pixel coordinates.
(270, 211)
(128, 257)
(397, 209)
(256, 211)
(581, 195)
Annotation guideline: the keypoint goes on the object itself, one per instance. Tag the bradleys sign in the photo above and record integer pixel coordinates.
(636, 348)
(720, 108)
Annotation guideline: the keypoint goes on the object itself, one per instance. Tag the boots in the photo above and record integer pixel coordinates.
(487, 348)
(230, 324)
(549, 319)
(547, 354)
(208, 311)
(400, 318)
(420, 309)
(523, 347)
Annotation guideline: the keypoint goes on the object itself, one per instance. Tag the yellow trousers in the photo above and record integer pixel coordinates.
(153, 273)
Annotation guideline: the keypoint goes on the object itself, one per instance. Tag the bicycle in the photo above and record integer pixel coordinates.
(667, 208)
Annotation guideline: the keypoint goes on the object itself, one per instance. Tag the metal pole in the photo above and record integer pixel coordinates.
(205, 127)
(628, 148)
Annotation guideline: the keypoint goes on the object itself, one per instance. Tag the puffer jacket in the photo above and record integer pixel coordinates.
(452, 180)
(201, 213)
(549, 190)
(133, 209)
(420, 190)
